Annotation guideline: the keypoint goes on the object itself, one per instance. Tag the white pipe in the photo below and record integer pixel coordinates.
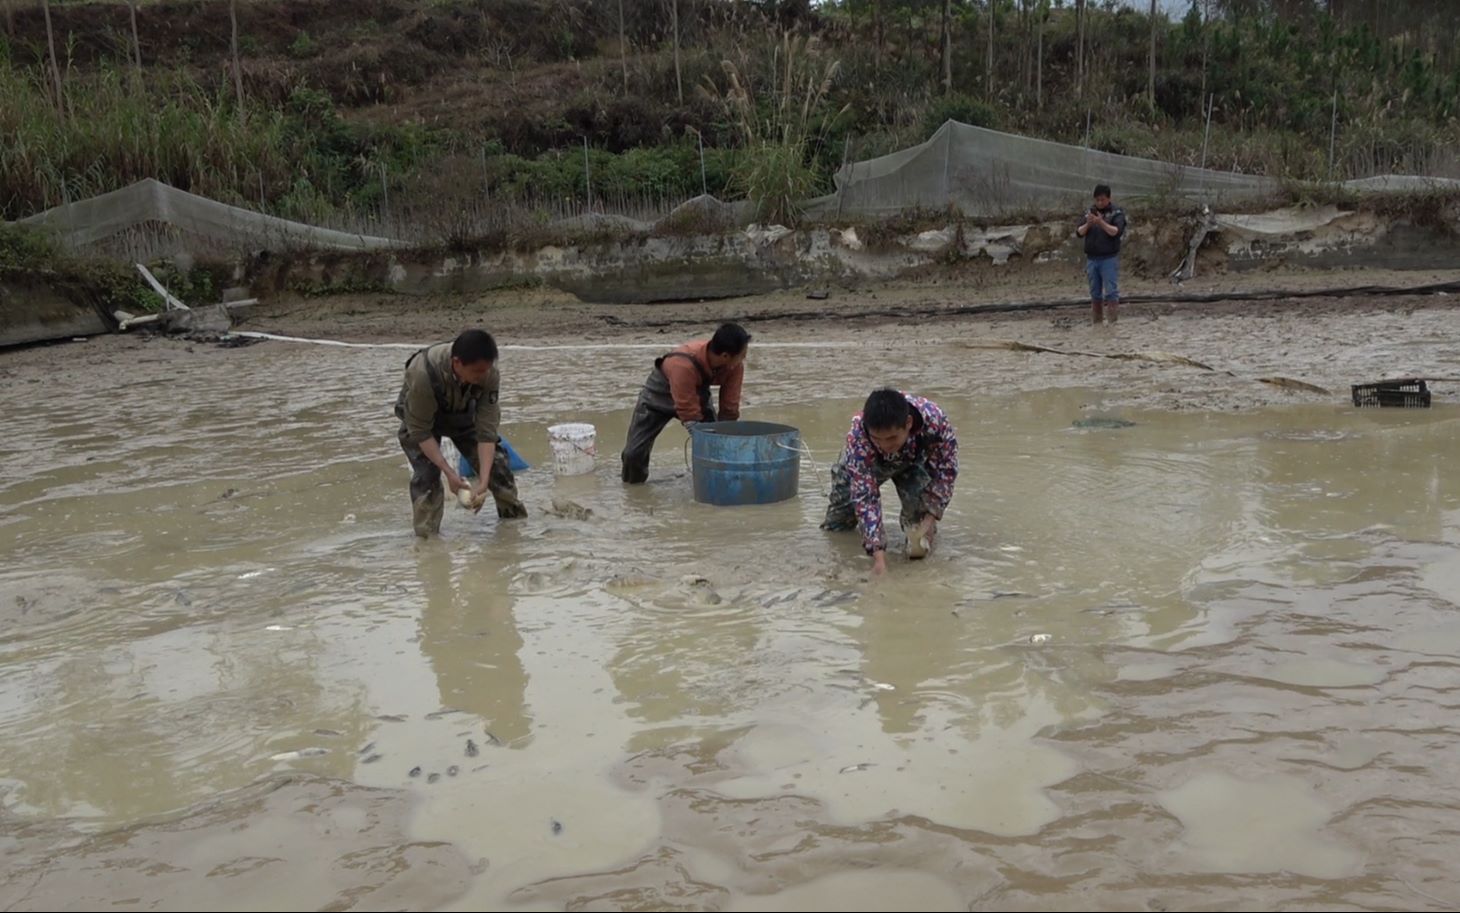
(171, 302)
(527, 348)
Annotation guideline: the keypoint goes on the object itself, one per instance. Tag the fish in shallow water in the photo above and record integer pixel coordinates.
(301, 753)
(629, 582)
(1102, 423)
(705, 597)
(570, 510)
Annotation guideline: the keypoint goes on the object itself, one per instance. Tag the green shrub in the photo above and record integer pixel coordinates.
(963, 108)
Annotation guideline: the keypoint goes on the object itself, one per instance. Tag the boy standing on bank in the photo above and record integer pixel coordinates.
(1103, 227)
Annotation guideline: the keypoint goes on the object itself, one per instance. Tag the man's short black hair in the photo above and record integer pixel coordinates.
(886, 409)
(730, 339)
(1102, 190)
(474, 346)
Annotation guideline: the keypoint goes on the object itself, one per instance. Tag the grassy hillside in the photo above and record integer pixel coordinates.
(434, 111)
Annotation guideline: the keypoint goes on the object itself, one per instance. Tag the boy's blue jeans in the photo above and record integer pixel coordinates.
(1104, 274)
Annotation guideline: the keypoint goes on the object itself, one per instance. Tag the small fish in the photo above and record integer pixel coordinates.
(438, 714)
(571, 510)
(391, 718)
(629, 582)
(328, 733)
(415, 772)
(706, 598)
(372, 759)
(471, 748)
(367, 748)
(1102, 423)
(855, 767)
(480, 767)
(883, 686)
(557, 826)
(301, 753)
(491, 739)
(453, 770)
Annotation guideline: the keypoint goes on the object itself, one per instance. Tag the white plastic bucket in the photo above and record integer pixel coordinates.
(574, 448)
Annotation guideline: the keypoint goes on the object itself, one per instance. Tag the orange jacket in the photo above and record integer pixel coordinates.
(687, 379)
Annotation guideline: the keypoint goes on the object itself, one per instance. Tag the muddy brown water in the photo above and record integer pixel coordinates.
(1246, 698)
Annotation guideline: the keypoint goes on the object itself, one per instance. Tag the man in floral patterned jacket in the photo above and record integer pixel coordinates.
(909, 440)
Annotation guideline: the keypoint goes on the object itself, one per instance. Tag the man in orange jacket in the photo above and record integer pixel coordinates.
(679, 387)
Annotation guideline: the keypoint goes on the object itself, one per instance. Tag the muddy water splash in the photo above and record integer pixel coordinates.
(217, 620)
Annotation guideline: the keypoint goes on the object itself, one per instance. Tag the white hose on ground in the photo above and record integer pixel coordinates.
(525, 348)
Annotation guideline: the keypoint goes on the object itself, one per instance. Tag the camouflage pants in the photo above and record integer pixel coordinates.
(910, 482)
(428, 494)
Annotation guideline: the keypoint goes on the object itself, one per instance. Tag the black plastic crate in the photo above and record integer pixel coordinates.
(1407, 393)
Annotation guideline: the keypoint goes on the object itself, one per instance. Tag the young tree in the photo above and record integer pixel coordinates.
(674, 23)
(989, 74)
(946, 40)
(136, 42)
(623, 46)
(1042, 14)
(1151, 74)
(55, 66)
(237, 70)
(1080, 47)
(879, 36)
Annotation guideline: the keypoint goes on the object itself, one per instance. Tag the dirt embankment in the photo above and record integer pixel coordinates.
(928, 331)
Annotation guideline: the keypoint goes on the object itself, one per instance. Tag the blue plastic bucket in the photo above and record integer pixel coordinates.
(745, 462)
(515, 462)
